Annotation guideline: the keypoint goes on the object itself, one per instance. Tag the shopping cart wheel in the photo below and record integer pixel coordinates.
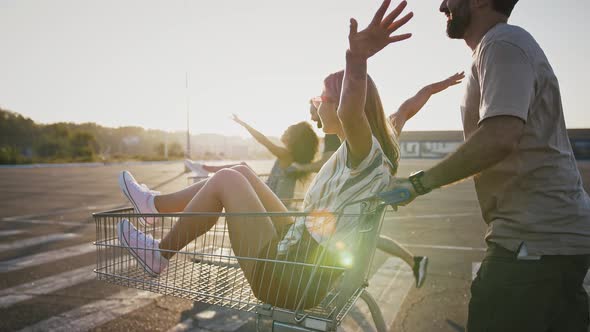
(375, 311)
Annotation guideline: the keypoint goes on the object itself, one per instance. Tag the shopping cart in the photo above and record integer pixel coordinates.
(322, 287)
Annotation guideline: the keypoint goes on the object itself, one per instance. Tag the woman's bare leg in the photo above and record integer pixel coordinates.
(215, 169)
(177, 201)
(393, 248)
(268, 198)
(230, 190)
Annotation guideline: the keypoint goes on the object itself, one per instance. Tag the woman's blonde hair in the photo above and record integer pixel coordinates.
(374, 112)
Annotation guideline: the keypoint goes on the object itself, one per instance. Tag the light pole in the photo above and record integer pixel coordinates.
(188, 135)
(188, 101)
(166, 145)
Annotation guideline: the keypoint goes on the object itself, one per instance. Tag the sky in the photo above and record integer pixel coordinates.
(146, 62)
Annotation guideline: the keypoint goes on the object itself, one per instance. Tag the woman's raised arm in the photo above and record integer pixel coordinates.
(278, 151)
(415, 103)
(363, 45)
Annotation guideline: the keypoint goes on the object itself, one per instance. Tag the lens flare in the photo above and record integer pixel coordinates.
(322, 224)
(346, 259)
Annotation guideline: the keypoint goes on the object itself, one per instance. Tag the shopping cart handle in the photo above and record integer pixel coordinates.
(395, 197)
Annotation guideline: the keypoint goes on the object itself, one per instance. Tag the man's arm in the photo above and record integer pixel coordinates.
(495, 139)
(507, 85)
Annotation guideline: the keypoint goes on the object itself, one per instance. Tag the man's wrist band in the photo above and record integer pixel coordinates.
(416, 181)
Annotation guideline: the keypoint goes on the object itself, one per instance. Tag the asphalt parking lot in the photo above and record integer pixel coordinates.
(46, 262)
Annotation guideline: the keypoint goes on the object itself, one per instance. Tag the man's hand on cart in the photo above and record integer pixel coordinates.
(401, 193)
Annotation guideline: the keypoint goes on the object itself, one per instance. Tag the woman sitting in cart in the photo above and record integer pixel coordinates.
(365, 164)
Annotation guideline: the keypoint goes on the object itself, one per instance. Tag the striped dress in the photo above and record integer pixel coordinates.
(336, 185)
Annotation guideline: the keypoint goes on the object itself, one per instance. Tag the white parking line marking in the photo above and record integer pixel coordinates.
(13, 295)
(216, 319)
(45, 257)
(51, 222)
(223, 320)
(434, 216)
(12, 232)
(96, 313)
(64, 211)
(184, 326)
(427, 246)
(35, 241)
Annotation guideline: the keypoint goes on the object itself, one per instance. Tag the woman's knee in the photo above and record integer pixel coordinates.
(244, 170)
(227, 177)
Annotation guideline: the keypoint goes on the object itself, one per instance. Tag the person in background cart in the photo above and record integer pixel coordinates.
(299, 145)
(331, 144)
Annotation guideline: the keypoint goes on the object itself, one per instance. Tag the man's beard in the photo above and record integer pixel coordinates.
(461, 18)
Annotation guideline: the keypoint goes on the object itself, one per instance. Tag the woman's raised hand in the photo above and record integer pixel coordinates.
(444, 84)
(378, 33)
(237, 120)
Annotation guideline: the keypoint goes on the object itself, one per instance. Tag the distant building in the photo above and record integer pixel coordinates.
(429, 144)
(438, 144)
(580, 139)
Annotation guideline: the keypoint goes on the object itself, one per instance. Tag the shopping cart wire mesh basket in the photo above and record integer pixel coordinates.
(307, 287)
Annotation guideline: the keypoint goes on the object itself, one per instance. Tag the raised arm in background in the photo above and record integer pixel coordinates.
(278, 151)
(413, 105)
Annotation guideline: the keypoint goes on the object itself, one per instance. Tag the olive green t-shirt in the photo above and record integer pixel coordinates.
(534, 196)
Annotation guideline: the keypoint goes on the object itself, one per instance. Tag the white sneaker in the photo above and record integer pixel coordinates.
(143, 247)
(196, 168)
(138, 195)
(420, 268)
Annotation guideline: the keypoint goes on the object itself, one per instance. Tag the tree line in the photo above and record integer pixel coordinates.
(24, 141)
